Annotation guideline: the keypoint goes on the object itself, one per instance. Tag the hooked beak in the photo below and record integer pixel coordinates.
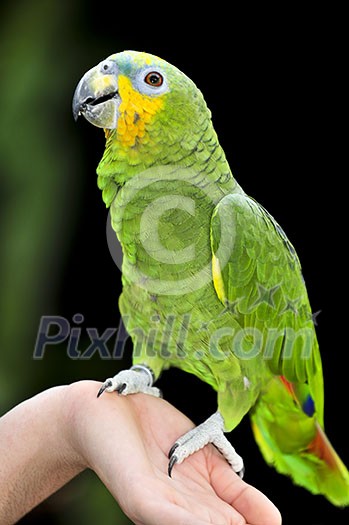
(96, 96)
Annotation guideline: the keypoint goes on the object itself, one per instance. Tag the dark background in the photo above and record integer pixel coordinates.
(273, 82)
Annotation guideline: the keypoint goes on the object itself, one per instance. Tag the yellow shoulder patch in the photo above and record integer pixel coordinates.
(218, 279)
(135, 112)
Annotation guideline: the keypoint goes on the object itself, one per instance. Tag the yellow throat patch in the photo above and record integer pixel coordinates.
(135, 112)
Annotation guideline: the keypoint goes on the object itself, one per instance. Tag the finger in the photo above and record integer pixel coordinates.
(256, 508)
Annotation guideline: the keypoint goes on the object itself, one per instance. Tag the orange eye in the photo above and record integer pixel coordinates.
(154, 79)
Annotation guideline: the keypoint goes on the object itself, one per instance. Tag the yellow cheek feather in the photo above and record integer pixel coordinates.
(135, 112)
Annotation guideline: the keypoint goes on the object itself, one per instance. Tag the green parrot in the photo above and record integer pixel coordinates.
(211, 284)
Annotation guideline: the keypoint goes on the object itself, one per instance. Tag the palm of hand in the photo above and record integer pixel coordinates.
(204, 489)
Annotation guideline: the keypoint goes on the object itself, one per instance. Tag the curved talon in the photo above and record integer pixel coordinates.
(171, 464)
(241, 473)
(172, 449)
(121, 388)
(105, 385)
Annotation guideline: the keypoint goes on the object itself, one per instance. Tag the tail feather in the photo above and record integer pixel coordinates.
(296, 445)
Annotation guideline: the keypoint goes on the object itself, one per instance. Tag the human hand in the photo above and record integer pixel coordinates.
(125, 440)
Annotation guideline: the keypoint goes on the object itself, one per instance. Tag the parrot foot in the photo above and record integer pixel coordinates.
(137, 379)
(211, 431)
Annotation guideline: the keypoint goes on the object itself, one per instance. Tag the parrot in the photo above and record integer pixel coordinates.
(210, 282)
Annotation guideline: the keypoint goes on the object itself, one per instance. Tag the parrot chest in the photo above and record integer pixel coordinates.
(169, 304)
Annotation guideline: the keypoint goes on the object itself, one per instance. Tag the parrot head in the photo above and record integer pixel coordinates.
(140, 100)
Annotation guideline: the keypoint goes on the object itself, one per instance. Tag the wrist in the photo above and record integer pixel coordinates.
(37, 456)
(78, 412)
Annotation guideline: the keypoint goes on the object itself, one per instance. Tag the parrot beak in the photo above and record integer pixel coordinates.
(96, 96)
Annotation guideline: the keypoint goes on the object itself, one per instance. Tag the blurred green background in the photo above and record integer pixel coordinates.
(267, 78)
(45, 236)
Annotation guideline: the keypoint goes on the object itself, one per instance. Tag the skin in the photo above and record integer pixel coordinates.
(204, 490)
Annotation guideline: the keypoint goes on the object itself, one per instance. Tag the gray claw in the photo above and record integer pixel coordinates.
(241, 473)
(103, 388)
(171, 464)
(121, 388)
(172, 449)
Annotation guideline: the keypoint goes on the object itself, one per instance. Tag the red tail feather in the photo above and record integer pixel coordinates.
(322, 448)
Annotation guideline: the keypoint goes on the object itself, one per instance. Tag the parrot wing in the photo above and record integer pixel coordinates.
(256, 273)
(257, 276)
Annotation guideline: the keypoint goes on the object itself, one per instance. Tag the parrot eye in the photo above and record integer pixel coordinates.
(154, 79)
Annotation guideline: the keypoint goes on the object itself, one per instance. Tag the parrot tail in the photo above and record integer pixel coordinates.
(291, 439)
